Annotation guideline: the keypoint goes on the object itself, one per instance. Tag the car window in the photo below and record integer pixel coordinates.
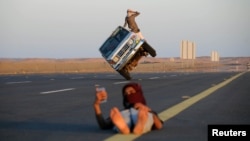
(113, 41)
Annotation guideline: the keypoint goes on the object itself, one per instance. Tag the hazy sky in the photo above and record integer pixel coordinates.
(77, 28)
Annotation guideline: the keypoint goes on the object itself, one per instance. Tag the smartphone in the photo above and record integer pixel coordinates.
(99, 89)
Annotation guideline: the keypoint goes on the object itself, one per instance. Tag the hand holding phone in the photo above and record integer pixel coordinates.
(101, 94)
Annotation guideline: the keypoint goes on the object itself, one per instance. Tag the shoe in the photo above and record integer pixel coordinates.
(145, 53)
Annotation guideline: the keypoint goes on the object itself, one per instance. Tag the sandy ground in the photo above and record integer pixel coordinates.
(93, 65)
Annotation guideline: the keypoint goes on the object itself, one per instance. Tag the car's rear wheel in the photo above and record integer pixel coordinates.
(149, 49)
(125, 74)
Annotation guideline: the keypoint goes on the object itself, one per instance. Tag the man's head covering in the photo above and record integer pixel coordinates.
(129, 12)
(131, 99)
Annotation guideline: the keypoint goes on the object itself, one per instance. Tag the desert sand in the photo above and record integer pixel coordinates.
(94, 65)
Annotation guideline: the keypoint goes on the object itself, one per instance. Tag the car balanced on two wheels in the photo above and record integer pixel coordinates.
(123, 49)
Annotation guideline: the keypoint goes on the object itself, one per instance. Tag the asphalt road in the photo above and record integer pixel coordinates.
(59, 107)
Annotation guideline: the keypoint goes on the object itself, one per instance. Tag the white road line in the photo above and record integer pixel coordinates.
(110, 75)
(153, 77)
(56, 91)
(122, 82)
(19, 82)
(77, 78)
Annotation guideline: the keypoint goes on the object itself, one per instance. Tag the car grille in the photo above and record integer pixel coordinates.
(122, 51)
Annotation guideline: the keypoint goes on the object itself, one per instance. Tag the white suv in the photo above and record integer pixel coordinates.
(123, 49)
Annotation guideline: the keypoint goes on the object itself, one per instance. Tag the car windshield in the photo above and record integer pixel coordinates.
(113, 41)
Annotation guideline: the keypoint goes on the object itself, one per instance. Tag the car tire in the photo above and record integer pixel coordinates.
(125, 74)
(149, 49)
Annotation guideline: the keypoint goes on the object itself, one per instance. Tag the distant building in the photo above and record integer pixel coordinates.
(171, 59)
(188, 50)
(215, 56)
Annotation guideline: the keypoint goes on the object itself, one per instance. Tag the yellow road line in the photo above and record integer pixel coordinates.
(176, 109)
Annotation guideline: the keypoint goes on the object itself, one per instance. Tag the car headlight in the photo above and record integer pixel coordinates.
(130, 42)
(115, 59)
